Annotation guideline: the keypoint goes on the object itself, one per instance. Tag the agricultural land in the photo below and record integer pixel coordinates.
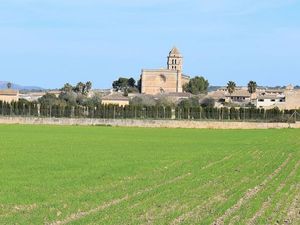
(111, 175)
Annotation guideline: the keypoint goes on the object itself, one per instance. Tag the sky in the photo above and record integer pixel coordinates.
(50, 42)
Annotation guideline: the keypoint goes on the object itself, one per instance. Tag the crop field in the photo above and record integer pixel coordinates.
(103, 175)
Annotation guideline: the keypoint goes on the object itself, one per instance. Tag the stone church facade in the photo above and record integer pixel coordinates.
(169, 80)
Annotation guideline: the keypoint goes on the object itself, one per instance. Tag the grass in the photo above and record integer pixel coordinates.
(105, 175)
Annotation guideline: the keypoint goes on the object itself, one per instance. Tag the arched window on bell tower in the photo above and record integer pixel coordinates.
(175, 60)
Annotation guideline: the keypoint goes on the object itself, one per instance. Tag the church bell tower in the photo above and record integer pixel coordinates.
(175, 60)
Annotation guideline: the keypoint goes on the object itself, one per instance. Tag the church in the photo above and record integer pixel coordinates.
(169, 80)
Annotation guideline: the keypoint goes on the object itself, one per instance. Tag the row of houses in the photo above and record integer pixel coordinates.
(288, 98)
(10, 95)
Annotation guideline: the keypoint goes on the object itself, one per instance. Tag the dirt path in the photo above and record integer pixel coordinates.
(250, 194)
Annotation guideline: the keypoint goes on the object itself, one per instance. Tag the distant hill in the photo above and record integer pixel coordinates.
(213, 88)
(3, 85)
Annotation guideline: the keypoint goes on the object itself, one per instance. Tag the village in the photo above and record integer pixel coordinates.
(149, 112)
(171, 87)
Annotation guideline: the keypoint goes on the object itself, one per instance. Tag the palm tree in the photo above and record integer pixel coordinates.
(88, 87)
(252, 87)
(9, 85)
(67, 88)
(231, 87)
(80, 88)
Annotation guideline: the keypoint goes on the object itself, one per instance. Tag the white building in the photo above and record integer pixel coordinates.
(270, 101)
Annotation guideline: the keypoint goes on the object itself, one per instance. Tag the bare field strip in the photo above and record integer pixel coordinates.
(103, 175)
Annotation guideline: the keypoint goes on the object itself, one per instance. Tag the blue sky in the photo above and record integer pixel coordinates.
(51, 42)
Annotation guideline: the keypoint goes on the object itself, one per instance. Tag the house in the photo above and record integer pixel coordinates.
(9, 95)
(32, 96)
(239, 95)
(270, 101)
(54, 92)
(288, 98)
(115, 98)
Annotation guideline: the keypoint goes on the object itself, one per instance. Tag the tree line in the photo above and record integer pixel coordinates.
(34, 109)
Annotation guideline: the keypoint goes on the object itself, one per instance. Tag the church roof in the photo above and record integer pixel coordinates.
(174, 51)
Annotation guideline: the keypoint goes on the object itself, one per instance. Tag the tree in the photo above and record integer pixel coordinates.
(189, 103)
(207, 102)
(88, 87)
(252, 86)
(9, 85)
(49, 99)
(126, 85)
(68, 97)
(121, 84)
(196, 85)
(131, 82)
(79, 88)
(139, 85)
(143, 100)
(67, 88)
(231, 87)
(165, 101)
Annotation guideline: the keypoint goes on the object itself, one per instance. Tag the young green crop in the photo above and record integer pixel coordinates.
(105, 175)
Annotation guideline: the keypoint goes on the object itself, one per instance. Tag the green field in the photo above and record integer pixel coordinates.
(103, 175)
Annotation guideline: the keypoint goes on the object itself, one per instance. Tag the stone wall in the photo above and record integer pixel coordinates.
(146, 123)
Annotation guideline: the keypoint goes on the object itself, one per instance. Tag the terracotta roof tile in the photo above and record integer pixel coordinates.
(115, 96)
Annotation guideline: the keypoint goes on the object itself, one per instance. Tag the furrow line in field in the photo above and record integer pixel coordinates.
(115, 202)
(216, 162)
(16, 209)
(191, 213)
(293, 212)
(129, 179)
(168, 208)
(212, 164)
(250, 194)
(80, 215)
(267, 203)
